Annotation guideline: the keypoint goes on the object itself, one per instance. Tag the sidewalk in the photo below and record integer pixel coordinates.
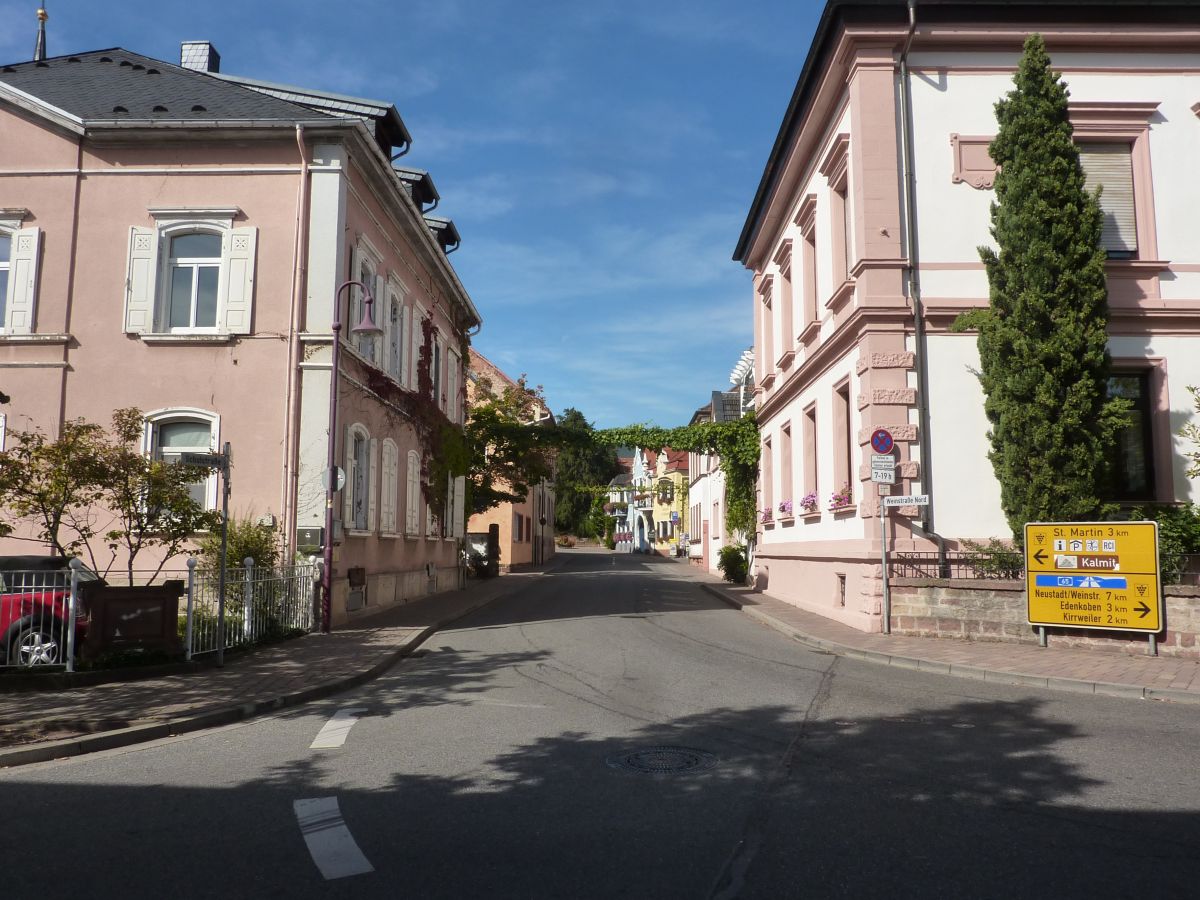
(36, 726)
(1060, 668)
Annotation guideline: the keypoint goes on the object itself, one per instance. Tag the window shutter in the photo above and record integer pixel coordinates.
(415, 356)
(412, 495)
(238, 248)
(1111, 166)
(406, 361)
(460, 496)
(140, 280)
(372, 482)
(452, 400)
(393, 485)
(22, 281)
(348, 490)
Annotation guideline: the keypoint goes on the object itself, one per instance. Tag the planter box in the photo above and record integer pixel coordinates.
(133, 618)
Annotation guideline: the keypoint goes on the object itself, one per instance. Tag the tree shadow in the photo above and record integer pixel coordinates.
(970, 799)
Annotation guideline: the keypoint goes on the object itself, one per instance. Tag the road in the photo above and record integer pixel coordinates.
(506, 760)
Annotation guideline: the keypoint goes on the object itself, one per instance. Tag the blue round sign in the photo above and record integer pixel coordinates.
(881, 441)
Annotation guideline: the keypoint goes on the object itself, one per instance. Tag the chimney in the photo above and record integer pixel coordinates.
(199, 55)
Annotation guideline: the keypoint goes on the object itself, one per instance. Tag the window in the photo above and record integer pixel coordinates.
(436, 372)
(785, 465)
(767, 313)
(806, 220)
(170, 433)
(193, 276)
(1111, 166)
(394, 336)
(412, 494)
(453, 373)
(783, 259)
(809, 437)
(1133, 455)
(192, 273)
(18, 274)
(716, 520)
(767, 486)
(360, 453)
(365, 267)
(842, 450)
(389, 486)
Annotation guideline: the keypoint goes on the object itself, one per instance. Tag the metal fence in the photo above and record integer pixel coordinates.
(1183, 569)
(261, 604)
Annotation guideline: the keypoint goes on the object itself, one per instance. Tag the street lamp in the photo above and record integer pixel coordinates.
(366, 327)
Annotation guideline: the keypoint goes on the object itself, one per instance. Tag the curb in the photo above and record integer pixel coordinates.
(139, 734)
(978, 673)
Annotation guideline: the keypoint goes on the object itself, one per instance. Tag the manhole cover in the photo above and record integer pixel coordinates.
(663, 760)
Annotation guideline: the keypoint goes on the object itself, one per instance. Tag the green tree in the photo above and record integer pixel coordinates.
(508, 449)
(52, 484)
(583, 464)
(1044, 361)
(149, 499)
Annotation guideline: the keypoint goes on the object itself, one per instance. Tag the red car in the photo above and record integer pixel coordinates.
(35, 593)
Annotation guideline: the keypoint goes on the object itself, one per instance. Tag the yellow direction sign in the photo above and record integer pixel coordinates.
(1093, 575)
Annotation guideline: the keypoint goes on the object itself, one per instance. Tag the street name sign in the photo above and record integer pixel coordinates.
(208, 460)
(907, 500)
(1100, 575)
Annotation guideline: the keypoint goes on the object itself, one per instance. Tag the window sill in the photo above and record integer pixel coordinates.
(389, 535)
(768, 381)
(186, 338)
(814, 516)
(841, 294)
(359, 534)
(787, 521)
(34, 338)
(768, 526)
(810, 332)
(412, 537)
(842, 512)
(785, 362)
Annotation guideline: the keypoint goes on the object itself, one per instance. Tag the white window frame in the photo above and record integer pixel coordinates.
(389, 487)
(453, 391)
(367, 265)
(168, 267)
(148, 281)
(412, 495)
(154, 419)
(396, 332)
(18, 305)
(352, 498)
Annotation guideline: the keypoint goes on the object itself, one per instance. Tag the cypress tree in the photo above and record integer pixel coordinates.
(1043, 340)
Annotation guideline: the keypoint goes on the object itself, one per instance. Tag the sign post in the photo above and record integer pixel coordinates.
(1101, 575)
(887, 503)
(883, 473)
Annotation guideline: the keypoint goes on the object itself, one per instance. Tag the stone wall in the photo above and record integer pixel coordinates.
(976, 610)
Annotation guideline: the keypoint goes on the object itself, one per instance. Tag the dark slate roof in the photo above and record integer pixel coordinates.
(108, 85)
(727, 406)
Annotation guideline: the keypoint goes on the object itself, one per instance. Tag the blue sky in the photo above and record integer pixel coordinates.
(597, 158)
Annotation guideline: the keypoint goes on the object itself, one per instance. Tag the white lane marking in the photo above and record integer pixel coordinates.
(329, 841)
(334, 733)
(511, 705)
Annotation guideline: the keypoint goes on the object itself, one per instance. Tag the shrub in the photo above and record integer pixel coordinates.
(1178, 535)
(732, 563)
(245, 538)
(995, 559)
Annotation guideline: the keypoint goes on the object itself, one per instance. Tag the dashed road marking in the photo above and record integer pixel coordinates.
(329, 841)
(334, 733)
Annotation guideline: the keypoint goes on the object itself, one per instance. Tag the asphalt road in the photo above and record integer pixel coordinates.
(504, 761)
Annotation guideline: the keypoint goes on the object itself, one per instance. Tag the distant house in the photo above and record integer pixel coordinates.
(180, 240)
(840, 261)
(526, 528)
(707, 533)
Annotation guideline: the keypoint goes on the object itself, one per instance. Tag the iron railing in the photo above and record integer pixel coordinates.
(261, 604)
(1182, 569)
(37, 609)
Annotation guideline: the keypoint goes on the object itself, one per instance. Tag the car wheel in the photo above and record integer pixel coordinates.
(35, 646)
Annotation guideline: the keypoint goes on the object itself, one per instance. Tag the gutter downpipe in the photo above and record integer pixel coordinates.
(292, 410)
(912, 252)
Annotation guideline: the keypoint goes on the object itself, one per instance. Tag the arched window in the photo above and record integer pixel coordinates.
(412, 494)
(172, 432)
(360, 451)
(395, 337)
(193, 281)
(389, 485)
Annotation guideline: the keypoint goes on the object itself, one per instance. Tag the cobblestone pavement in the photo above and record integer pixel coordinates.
(41, 725)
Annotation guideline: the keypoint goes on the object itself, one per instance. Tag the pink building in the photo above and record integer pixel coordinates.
(856, 285)
(176, 240)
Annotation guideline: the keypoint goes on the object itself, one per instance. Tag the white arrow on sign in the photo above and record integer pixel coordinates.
(907, 500)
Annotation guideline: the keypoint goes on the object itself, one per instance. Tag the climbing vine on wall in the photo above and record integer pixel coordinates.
(734, 443)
